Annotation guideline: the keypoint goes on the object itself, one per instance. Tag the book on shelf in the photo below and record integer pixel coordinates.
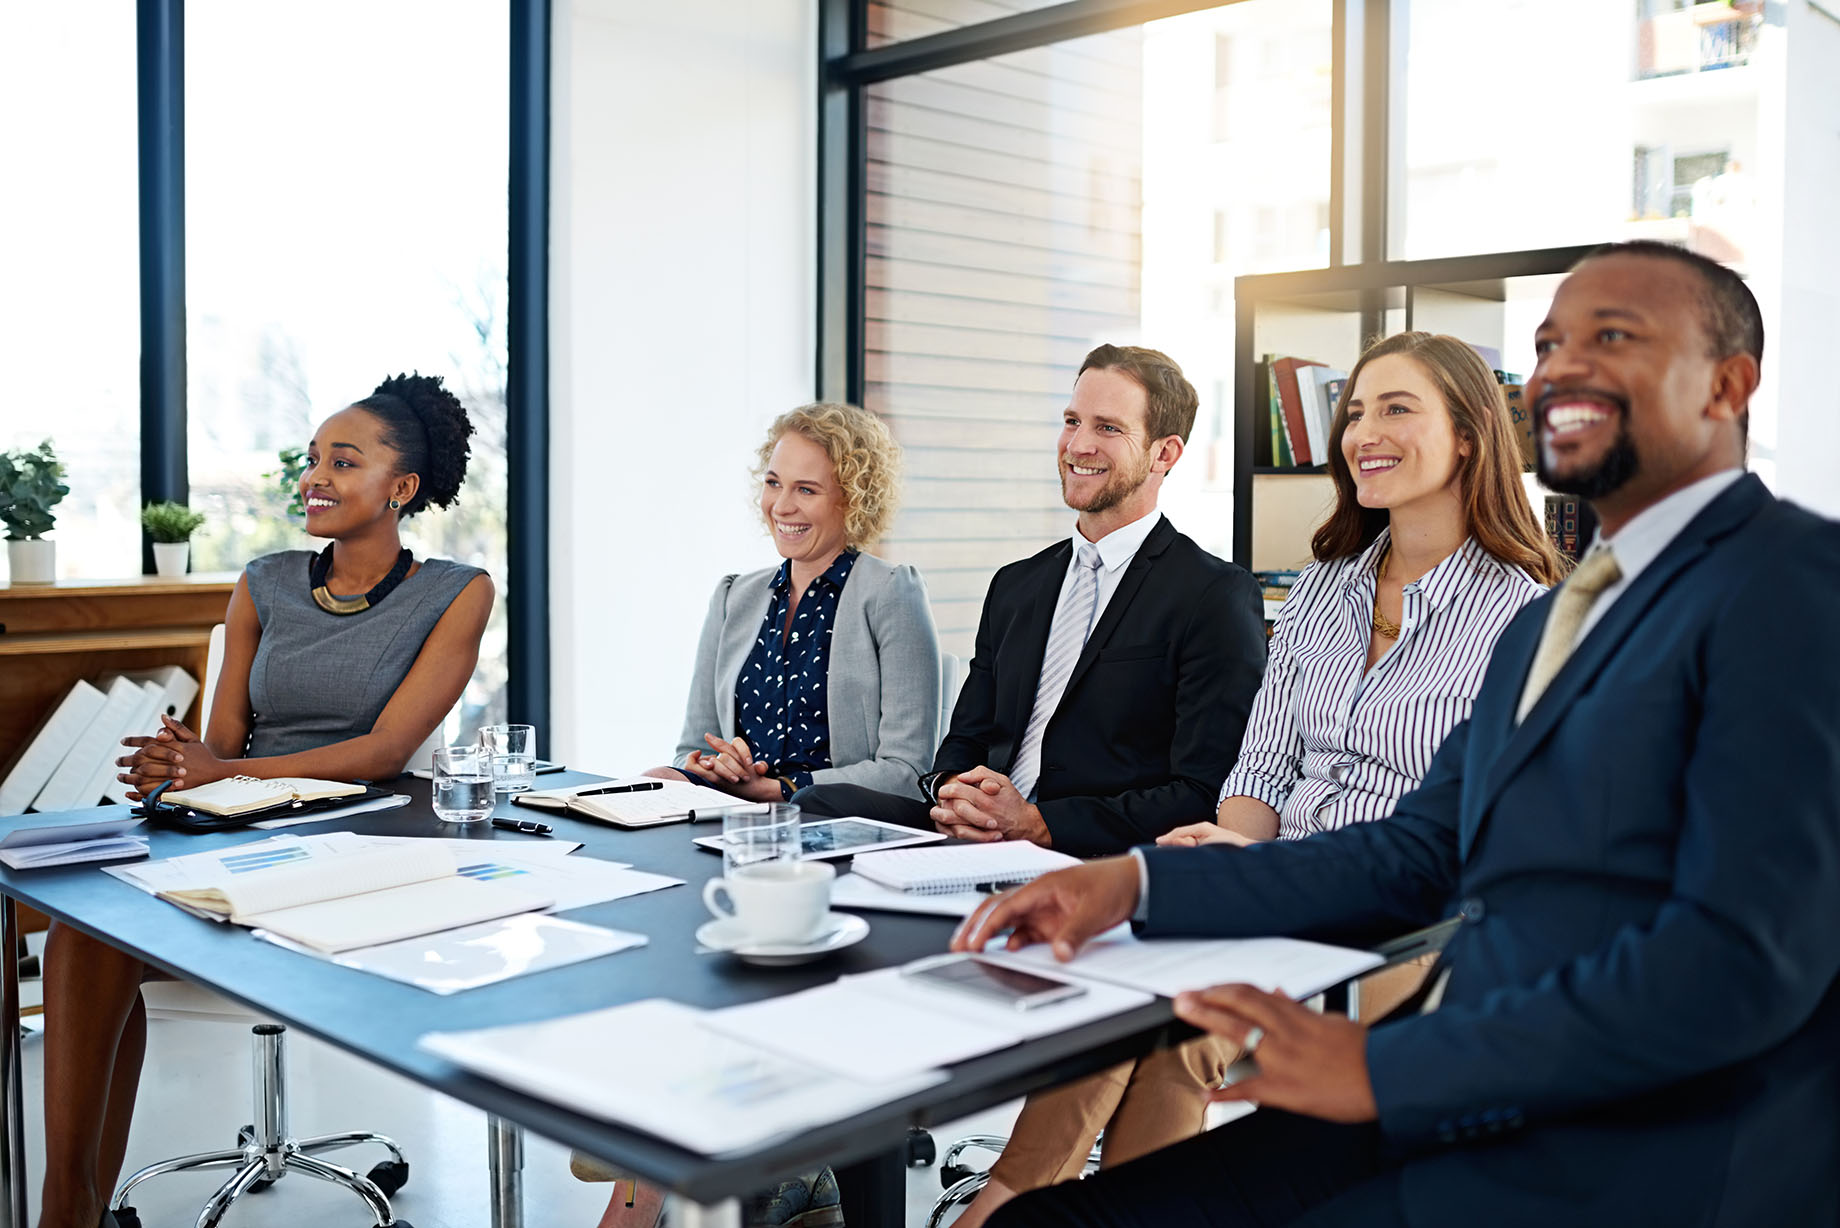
(88, 766)
(144, 723)
(1282, 454)
(1319, 387)
(176, 682)
(45, 748)
(1304, 446)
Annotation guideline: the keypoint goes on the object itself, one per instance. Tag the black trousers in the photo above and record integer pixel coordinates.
(854, 801)
(1266, 1169)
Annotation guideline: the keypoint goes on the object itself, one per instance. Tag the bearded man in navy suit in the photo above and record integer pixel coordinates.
(1638, 1021)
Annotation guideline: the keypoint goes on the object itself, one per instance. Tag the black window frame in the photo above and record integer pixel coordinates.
(160, 63)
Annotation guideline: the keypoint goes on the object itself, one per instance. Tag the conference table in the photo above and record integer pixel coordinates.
(380, 1020)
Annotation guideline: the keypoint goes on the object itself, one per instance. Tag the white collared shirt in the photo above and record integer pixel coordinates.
(1641, 541)
(1116, 550)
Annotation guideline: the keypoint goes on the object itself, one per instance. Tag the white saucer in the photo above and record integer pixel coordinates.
(839, 930)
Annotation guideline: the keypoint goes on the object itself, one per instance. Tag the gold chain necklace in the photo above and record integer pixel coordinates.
(1384, 625)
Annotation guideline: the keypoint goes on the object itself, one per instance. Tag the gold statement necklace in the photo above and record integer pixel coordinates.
(1384, 625)
(322, 567)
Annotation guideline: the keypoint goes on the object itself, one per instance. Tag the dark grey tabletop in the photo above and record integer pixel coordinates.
(380, 1019)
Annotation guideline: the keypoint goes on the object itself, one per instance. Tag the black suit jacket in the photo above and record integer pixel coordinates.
(1151, 720)
(1642, 1023)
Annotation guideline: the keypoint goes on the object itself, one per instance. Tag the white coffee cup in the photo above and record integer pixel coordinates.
(775, 901)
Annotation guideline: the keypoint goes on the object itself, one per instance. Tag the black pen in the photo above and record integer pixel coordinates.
(529, 827)
(641, 787)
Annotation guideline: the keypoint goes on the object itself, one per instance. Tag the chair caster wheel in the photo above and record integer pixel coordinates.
(921, 1150)
(390, 1176)
(952, 1174)
(127, 1217)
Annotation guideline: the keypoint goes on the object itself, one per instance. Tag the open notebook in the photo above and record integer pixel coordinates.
(673, 801)
(952, 868)
(245, 794)
(357, 899)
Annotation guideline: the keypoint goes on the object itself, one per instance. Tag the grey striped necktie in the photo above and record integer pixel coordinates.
(1073, 621)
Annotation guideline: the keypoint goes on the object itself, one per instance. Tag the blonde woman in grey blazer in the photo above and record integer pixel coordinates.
(764, 719)
(883, 692)
(826, 668)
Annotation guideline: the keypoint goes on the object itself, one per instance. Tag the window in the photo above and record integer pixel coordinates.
(346, 221)
(899, 20)
(70, 316)
(1024, 208)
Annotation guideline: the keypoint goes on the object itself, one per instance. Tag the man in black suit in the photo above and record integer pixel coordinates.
(1113, 671)
(1638, 1022)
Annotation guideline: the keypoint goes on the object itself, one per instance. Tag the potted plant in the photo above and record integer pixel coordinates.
(29, 489)
(171, 526)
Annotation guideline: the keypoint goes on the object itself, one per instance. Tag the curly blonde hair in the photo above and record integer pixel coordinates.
(865, 456)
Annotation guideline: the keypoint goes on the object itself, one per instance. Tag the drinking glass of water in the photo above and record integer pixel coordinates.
(462, 784)
(513, 749)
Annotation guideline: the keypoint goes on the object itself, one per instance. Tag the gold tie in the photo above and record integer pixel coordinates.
(1581, 591)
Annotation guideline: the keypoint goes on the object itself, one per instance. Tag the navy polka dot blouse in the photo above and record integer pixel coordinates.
(780, 697)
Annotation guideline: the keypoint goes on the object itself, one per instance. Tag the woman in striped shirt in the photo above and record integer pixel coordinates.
(1376, 655)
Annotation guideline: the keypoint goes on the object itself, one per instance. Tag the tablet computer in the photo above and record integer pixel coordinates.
(822, 839)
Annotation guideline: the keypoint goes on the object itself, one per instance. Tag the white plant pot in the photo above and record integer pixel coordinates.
(170, 558)
(32, 562)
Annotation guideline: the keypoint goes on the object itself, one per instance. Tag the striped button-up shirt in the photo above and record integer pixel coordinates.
(1330, 742)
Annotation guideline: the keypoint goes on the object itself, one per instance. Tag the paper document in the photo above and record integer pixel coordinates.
(43, 856)
(672, 801)
(225, 864)
(1168, 966)
(656, 1066)
(855, 892)
(883, 1025)
(391, 802)
(486, 954)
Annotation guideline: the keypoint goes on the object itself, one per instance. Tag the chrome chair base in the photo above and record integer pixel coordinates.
(264, 1153)
(964, 1184)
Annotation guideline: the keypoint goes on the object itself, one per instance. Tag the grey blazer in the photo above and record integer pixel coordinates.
(883, 681)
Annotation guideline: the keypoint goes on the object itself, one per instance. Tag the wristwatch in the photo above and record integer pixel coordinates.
(929, 786)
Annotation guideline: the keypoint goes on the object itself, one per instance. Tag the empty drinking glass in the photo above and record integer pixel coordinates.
(759, 833)
(462, 784)
(514, 756)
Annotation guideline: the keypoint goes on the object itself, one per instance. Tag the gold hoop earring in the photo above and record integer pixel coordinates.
(395, 504)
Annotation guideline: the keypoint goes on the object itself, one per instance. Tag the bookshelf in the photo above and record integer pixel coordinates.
(1326, 314)
(53, 634)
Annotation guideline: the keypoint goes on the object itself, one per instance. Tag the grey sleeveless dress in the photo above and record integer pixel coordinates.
(321, 678)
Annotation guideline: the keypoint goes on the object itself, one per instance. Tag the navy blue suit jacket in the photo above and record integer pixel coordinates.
(1641, 1024)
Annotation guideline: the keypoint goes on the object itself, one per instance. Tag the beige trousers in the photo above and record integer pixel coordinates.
(1148, 1104)
(1142, 1106)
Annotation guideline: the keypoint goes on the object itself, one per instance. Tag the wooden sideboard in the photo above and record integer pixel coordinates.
(53, 634)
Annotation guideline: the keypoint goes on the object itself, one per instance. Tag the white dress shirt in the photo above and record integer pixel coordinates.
(1116, 550)
(1648, 533)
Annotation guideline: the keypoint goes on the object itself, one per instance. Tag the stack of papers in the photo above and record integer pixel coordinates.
(64, 844)
(1168, 966)
(660, 1067)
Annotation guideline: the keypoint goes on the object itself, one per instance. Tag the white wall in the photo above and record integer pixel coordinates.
(682, 317)
(1802, 345)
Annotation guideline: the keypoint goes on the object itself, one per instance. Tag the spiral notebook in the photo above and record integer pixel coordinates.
(941, 870)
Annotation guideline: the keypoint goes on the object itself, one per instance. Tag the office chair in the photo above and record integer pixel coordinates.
(265, 1152)
(962, 1183)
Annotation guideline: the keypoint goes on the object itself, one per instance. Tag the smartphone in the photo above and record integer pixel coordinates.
(993, 982)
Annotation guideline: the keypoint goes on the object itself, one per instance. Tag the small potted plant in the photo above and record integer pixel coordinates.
(29, 489)
(171, 526)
